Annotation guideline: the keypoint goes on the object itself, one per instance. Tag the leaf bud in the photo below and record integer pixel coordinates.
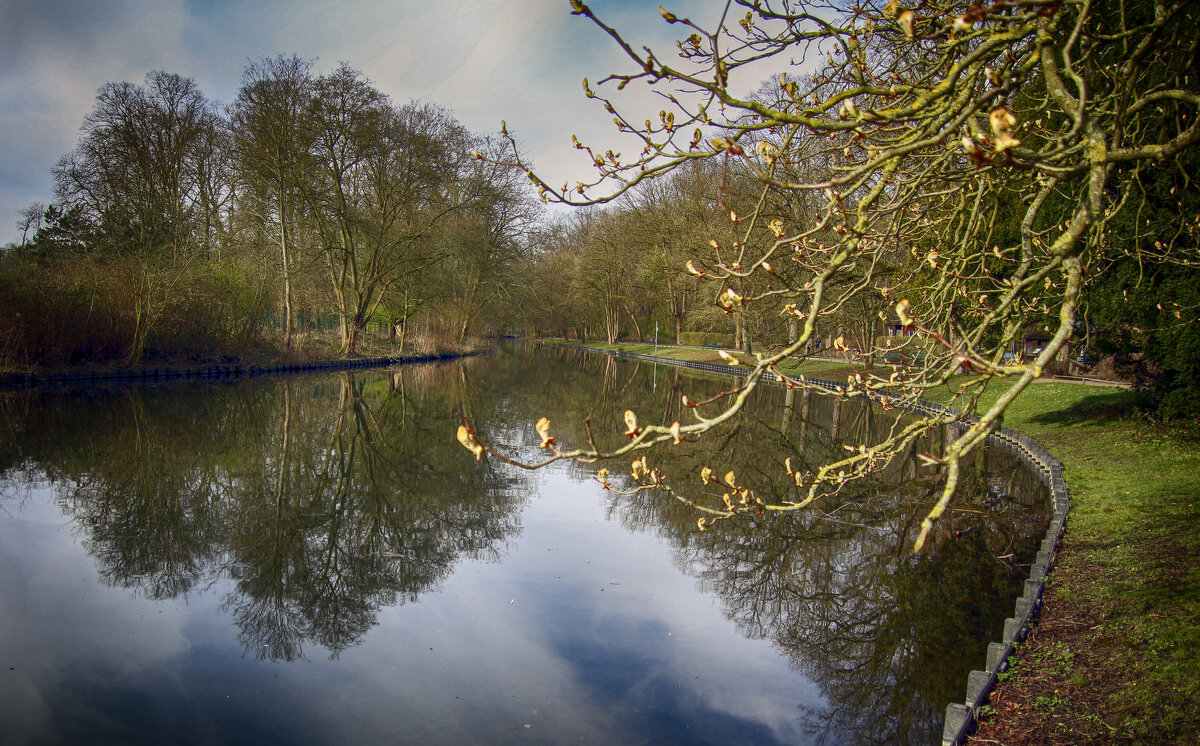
(631, 424)
(466, 437)
(543, 429)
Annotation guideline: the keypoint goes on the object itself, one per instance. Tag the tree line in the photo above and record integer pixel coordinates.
(630, 270)
(181, 228)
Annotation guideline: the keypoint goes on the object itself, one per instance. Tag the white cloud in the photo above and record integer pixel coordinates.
(56, 55)
(486, 60)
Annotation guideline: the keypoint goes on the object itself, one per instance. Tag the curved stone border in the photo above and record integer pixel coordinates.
(209, 372)
(960, 718)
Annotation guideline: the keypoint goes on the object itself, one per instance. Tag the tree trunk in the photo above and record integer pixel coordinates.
(868, 343)
(612, 324)
(677, 311)
(349, 332)
(287, 275)
(636, 326)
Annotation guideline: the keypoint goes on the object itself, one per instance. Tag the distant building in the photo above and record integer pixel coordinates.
(1032, 342)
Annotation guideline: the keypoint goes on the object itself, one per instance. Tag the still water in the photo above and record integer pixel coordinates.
(315, 560)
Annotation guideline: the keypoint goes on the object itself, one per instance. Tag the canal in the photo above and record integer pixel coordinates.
(315, 560)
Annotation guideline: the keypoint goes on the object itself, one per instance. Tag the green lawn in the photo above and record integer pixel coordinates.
(1133, 550)
(833, 370)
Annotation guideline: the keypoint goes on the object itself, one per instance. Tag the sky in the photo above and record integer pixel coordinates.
(521, 61)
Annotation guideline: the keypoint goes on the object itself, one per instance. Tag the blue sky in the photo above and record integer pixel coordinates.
(486, 60)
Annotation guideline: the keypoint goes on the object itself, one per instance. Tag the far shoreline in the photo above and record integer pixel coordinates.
(224, 369)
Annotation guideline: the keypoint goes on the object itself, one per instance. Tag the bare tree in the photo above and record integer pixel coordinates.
(478, 245)
(139, 166)
(30, 220)
(273, 153)
(381, 180)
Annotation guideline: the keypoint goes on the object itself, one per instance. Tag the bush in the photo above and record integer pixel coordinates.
(1145, 322)
(71, 310)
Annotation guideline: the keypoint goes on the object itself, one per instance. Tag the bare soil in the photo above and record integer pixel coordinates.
(1060, 690)
(1076, 679)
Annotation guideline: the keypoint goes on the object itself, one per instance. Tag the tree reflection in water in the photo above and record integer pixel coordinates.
(326, 499)
(889, 637)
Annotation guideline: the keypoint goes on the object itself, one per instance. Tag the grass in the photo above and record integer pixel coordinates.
(1127, 585)
(816, 368)
(1131, 552)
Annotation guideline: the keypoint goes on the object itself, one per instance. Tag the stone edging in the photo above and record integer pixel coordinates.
(960, 718)
(208, 372)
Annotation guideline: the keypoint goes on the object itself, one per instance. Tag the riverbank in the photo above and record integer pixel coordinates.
(240, 367)
(1115, 653)
(1115, 656)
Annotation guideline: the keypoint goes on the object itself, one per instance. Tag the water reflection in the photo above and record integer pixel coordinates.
(888, 637)
(311, 505)
(325, 499)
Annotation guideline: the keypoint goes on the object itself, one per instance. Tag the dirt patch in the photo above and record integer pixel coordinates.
(1064, 686)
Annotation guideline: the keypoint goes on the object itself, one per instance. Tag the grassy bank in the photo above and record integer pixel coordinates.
(819, 368)
(1116, 652)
